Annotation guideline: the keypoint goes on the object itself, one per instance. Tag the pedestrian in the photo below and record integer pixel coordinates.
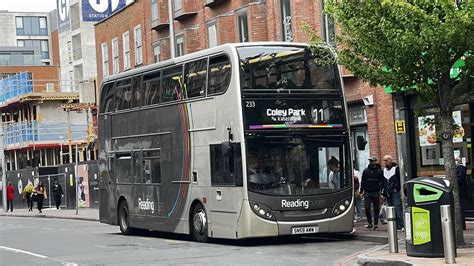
(27, 191)
(40, 195)
(57, 193)
(371, 185)
(461, 173)
(392, 189)
(334, 175)
(357, 197)
(10, 196)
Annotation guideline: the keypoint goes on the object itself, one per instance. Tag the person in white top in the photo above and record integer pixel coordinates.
(357, 197)
(392, 189)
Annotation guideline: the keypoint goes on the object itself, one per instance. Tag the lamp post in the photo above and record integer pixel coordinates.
(171, 27)
(4, 177)
(62, 154)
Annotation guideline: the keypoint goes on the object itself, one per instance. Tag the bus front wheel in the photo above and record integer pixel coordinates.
(124, 218)
(199, 224)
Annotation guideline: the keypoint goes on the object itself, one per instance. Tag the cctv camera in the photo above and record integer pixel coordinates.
(368, 100)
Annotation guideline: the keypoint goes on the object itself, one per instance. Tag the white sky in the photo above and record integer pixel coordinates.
(28, 5)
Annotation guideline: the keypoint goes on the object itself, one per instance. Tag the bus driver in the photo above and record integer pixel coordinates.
(258, 180)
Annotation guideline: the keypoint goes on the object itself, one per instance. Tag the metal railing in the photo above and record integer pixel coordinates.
(31, 132)
(15, 86)
(12, 89)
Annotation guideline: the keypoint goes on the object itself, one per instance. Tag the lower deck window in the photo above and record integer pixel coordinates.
(151, 167)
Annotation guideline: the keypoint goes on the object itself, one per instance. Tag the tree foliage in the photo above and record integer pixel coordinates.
(412, 46)
(408, 44)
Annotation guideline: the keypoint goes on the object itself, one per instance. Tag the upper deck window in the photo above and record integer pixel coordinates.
(219, 74)
(172, 84)
(284, 67)
(195, 78)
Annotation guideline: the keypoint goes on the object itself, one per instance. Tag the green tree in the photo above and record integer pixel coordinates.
(412, 46)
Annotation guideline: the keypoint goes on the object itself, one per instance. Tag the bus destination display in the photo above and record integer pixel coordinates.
(261, 114)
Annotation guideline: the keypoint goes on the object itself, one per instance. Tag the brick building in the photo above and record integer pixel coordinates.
(140, 34)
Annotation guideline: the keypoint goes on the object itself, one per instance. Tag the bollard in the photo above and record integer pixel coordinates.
(448, 235)
(392, 230)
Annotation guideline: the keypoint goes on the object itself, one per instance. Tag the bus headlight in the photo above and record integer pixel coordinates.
(262, 211)
(340, 207)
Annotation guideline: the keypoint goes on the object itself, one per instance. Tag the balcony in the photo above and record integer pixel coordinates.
(212, 3)
(77, 54)
(188, 8)
(20, 59)
(159, 24)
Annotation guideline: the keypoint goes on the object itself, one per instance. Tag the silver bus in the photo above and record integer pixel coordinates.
(237, 141)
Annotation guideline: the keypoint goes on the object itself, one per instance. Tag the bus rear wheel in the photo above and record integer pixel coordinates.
(124, 218)
(199, 224)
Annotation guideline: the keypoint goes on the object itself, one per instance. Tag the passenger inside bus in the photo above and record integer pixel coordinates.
(334, 175)
(259, 179)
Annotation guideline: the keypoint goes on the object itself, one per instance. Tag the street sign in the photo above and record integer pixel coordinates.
(400, 126)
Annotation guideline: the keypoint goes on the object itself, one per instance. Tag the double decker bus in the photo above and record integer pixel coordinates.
(237, 141)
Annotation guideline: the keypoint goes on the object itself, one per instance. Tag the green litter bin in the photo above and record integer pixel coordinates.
(423, 233)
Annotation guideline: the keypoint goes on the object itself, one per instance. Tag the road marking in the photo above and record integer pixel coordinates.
(36, 255)
(345, 260)
(23, 251)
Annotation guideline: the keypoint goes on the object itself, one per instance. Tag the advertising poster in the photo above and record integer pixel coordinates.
(63, 15)
(459, 131)
(426, 132)
(97, 10)
(83, 185)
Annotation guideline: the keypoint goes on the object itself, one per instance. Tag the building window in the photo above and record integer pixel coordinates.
(71, 81)
(179, 45)
(42, 46)
(115, 56)
(31, 26)
(178, 4)
(243, 27)
(212, 33)
(154, 10)
(69, 51)
(105, 60)
(329, 28)
(19, 25)
(43, 26)
(286, 20)
(156, 52)
(44, 49)
(126, 50)
(138, 45)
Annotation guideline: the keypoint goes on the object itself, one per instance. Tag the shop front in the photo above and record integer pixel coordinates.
(421, 150)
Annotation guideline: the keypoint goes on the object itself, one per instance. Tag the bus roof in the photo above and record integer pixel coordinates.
(206, 52)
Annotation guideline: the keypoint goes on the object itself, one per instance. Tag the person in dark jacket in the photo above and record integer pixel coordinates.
(392, 187)
(57, 193)
(10, 196)
(40, 195)
(371, 185)
(461, 172)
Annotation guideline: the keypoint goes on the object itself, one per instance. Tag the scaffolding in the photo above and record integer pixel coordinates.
(14, 86)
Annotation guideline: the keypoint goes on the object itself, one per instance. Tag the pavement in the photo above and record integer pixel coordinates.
(375, 256)
(86, 214)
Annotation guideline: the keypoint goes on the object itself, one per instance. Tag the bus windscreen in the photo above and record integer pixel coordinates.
(285, 68)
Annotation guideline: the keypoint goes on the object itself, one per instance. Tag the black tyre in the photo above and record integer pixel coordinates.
(124, 218)
(199, 229)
